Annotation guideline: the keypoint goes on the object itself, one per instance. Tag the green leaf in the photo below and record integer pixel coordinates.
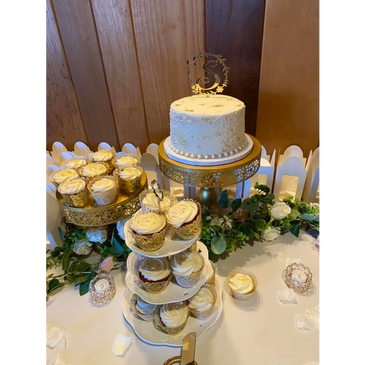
(295, 230)
(218, 244)
(269, 197)
(263, 188)
(250, 206)
(59, 285)
(79, 266)
(236, 204)
(53, 283)
(260, 224)
(66, 260)
(293, 214)
(84, 287)
(81, 278)
(223, 201)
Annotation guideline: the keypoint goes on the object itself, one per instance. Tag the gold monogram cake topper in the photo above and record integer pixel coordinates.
(212, 62)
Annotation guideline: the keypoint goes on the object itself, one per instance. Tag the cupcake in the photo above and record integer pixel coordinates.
(74, 192)
(104, 189)
(154, 274)
(123, 161)
(74, 163)
(172, 318)
(142, 309)
(242, 283)
(129, 178)
(93, 169)
(202, 304)
(105, 157)
(148, 230)
(211, 279)
(187, 267)
(150, 203)
(185, 219)
(58, 177)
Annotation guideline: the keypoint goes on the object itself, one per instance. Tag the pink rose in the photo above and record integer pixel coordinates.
(107, 264)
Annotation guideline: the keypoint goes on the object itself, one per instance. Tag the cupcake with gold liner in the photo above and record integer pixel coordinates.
(105, 157)
(126, 160)
(129, 178)
(142, 309)
(150, 203)
(148, 230)
(74, 163)
(211, 279)
(187, 267)
(154, 274)
(93, 169)
(62, 175)
(242, 283)
(202, 304)
(104, 189)
(74, 192)
(171, 318)
(185, 218)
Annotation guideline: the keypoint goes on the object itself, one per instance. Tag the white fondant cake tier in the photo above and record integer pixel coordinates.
(207, 126)
(210, 161)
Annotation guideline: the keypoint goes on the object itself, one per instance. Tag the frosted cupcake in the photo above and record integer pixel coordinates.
(187, 267)
(105, 157)
(123, 161)
(74, 163)
(150, 203)
(154, 274)
(242, 283)
(142, 309)
(93, 169)
(62, 175)
(185, 219)
(104, 189)
(202, 304)
(129, 178)
(172, 318)
(74, 192)
(148, 230)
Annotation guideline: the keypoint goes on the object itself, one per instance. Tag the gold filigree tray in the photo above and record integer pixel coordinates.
(211, 176)
(94, 215)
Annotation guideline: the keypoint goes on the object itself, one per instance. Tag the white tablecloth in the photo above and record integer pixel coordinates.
(261, 331)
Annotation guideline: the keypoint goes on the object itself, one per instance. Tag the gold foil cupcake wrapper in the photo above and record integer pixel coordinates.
(109, 163)
(103, 197)
(211, 279)
(88, 178)
(192, 279)
(242, 296)
(172, 331)
(145, 317)
(128, 186)
(151, 242)
(77, 200)
(114, 160)
(205, 314)
(146, 209)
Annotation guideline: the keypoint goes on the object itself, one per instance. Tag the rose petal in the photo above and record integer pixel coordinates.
(51, 356)
(54, 336)
(287, 296)
(107, 264)
(303, 322)
(313, 315)
(121, 344)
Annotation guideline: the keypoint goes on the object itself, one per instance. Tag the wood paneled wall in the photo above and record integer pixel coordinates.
(115, 66)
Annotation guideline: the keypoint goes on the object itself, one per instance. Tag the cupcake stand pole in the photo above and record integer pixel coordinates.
(210, 177)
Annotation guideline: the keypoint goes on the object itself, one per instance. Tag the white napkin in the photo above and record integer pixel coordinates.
(287, 296)
(121, 344)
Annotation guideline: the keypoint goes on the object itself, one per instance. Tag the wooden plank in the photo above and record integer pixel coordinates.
(288, 110)
(168, 33)
(64, 122)
(115, 31)
(77, 29)
(234, 29)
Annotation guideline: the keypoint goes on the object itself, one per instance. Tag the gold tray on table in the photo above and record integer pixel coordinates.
(94, 215)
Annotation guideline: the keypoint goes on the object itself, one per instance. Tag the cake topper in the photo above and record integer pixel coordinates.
(212, 62)
(156, 186)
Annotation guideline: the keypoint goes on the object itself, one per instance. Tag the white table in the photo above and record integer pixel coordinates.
(260, 331)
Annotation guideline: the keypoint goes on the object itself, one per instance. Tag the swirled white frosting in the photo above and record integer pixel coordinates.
(129, 173)
(102, 185)
(72, 187)
(148, 223)
(182, 212)
(144, 307)
(186, 263)
(93, 169)
(126, 161)
(102, 156)
(174, 314)
(241, 283)
(64, 175)
(150, 201)
(154, 269)
(74, 164)
(202, 300)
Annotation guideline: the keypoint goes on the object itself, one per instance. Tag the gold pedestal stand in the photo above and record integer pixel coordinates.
(210, 177)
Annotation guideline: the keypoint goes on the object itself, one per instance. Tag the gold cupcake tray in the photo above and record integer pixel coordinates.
(94, 215)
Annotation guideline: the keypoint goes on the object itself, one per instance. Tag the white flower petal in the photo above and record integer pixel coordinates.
(59, 362)
(54, 336)
(287, 296)
(313, 315)
(51, 356)
(290, 261)
(303, 322)
(121, 344)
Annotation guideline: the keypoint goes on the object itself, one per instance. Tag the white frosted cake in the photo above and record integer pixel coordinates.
(207, 128)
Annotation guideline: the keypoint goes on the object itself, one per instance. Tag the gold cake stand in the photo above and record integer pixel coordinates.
(210, 177)
(94, 215)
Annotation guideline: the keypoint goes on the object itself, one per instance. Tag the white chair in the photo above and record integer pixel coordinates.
(53, 218)
(149, 164)
(311, 188)
(57, 149)
(81, 149)
(153, 150)
(130, 149)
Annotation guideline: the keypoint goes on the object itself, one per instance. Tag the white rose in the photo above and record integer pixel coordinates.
(120, 228)
(82, 247)
(270, 234)
(280, 210)
(97, 234)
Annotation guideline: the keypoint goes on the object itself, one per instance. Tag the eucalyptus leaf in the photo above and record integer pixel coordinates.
(218, 244)
(223, 201)
(250, 206)
(84, 287)
(79, 266)
(295, 230)
(59, 285)
(81, 278)
(66, 260)
(235, 205)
